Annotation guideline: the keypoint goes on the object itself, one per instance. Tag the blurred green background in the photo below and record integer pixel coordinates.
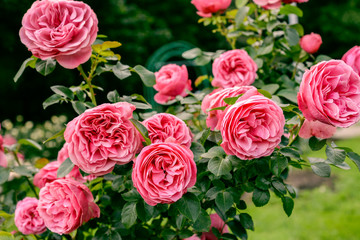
(142, 26)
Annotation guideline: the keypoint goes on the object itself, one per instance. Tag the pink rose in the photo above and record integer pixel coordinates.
(233, 68)
(163, 172)
(252, 127)
(352, 58)
(65, 205)
(162, 126)
(268, 4)
(217, 223)
(216, 99)
(317, 129)
(102, 137)
(63, 30)
(171, 81)
(207, 7)
(27, 218)
(330, 93)
(311, 43)
(3, 161)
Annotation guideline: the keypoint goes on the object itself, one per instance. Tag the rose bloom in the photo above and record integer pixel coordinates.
(65, 205)
(268, 4)
(162, 126)
(163, 172)
(352, 58)
(3, 161)
(101, 137)
(233, 68)
(311, 43)
(27, 218)
(62, 30)
(330, 93)
(252, 127)
(216, 99)
(217, 223)
(171, 81)
(207, 7)
(317, 129)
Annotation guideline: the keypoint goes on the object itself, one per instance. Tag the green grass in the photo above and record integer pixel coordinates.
(319, 214)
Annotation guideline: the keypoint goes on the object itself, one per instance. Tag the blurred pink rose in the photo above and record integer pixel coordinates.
(311, 43)
(9, 140)
(217, 223)
(171, 81)
(317, 129)
(294, 1)
(233, 68)
(207, 7)
(161, 126)
(216, 99)
(27, 218)
(252, 127)
(268, 4)
(330, 93)
(352, 58)
(163, 172)
(65, 205)
(63, 30)
(102, 137)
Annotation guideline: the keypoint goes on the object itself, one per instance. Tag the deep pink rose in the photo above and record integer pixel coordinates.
(352, 58)
(233, 68)
(317, 129)
(102, 137)
(163, 172)
(171, 81)
(268, 4)
(27, 218)
(207, 7)
(217, 223)
(252, 127)
(162, 126)
(330, 93)
(311, 42)
(63, 30)
(216, 99)
(65, 205)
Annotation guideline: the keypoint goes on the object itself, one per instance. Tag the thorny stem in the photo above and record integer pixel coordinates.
(89, 78)
(297, 134)
(224, 31)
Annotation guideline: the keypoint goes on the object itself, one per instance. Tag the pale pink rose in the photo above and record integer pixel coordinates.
(217, 223)
(65, 205)
(317, 129)
(330, 93)
(161, 126)
(252, 127)
(27, 218)
(9, 140)
(233, 68)
(352, 58)
(102, 137)
(311, 43)
(216, 99)
(163, 172)
(171, 81)
(60, 29)
(207, 7)
(268, 4)
(294, 1)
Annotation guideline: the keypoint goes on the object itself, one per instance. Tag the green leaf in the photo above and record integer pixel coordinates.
(321, 58)
(290, 152)
(189, 100)
(321, 169)
(65, 168)
(142, 130)
(121, 71)
(139, 105)
(355, 158)
(53, 99)
(31, 143)
(128, 214)
(316, 144)
(203, 222)
(265, 49)
(189, 206)
(79, 107)
(23, 171)
(45, 67)
(260, 197)
(278, 164)
(217, 108)
(192, 53)
(131, 196)
(224, 201)
(237, 228)
(271, 88)
(197, 150)
(265, 93)
(292, 36)
(288, 205)
(288, 94)
(216, 151)
(299, 28)
(144, 211)
(56, 135)
(81, 95)
(240, 16)
(26, 63)
(246, 221)
(6, 236)
(146, 76)
(335, 155)
(63, 91)
(290, 9)
(168, 234)
(240, 3)
(279, 186)
(219, 166)
(113, 96)
(262, 183)
(231, 100)
(213, 192)
(185, 233)
(4, 174)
